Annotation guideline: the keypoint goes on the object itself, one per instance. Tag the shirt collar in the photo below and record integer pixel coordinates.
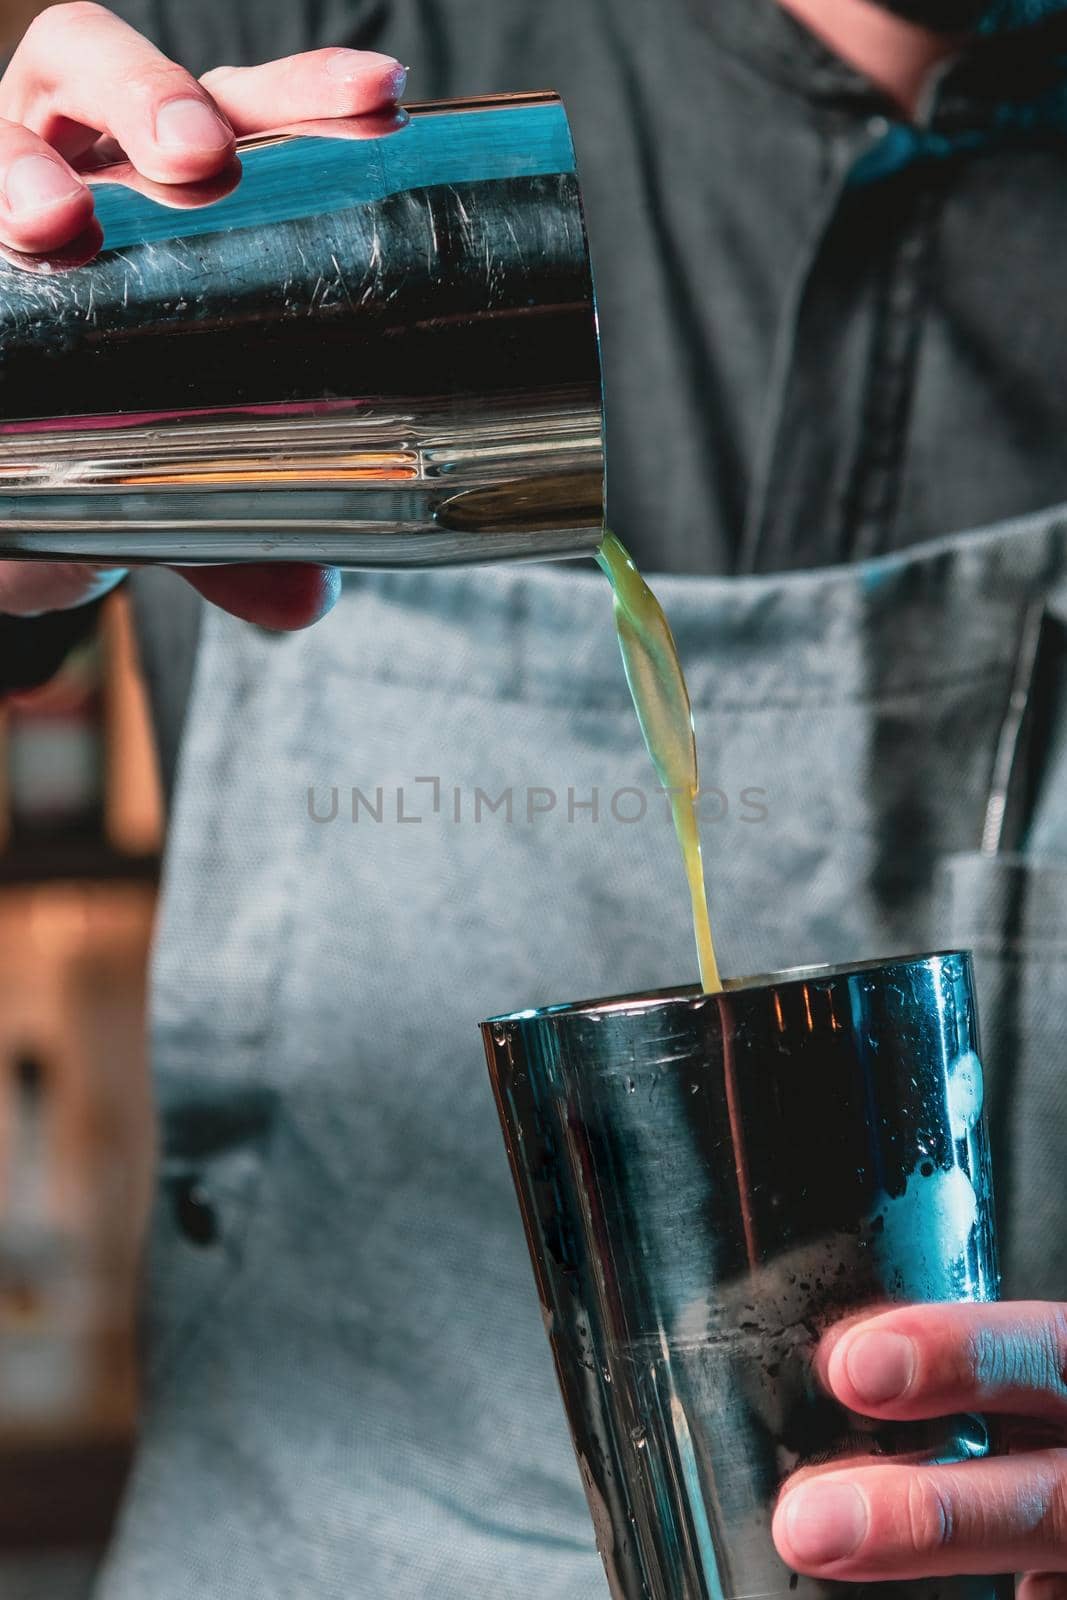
(781, 48)
(1006, 80)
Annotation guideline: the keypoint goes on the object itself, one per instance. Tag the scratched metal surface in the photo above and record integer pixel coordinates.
(706, 1184)
(373, 343)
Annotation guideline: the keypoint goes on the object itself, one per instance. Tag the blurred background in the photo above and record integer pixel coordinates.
(79, 853)
(80, 825)
(14, 15)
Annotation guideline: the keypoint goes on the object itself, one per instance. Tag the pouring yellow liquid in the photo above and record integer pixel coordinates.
(661, 701)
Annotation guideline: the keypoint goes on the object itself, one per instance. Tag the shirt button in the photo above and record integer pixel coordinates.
(195, 1214)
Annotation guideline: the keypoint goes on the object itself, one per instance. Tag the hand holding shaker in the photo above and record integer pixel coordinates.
(707, 1183)
(373, 344)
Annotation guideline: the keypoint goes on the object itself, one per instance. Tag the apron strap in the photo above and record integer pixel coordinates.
(1020, 767)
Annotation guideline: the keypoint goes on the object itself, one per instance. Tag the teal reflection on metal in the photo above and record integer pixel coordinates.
(308, 176)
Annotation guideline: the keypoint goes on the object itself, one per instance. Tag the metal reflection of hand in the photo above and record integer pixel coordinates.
(873, 1520)
(84, 91)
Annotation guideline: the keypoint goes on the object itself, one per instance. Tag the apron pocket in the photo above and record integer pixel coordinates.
(215, 1140)
(1011, 911)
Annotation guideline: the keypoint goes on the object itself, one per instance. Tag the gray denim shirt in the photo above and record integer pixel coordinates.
(833, 350)
(826, 335)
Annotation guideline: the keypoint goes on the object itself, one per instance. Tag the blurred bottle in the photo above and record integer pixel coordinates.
(56, 754)
(45, 1299)
(133, 807)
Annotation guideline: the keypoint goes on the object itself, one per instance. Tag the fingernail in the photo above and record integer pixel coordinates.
(824, 1522)
(345, 63)
(34, 182)
(191, 125)
(880, 1366)
(348, 64)
(354, 63)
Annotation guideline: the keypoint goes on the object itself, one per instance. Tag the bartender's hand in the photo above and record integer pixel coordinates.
(82, 83)
(868, 1520)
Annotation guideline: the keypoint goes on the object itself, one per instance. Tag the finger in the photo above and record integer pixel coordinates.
(80, 71)
(321, 83)
(1003, 1514)
(1019, 1435)
(28, 588)
(1042, 1586)
(279, 596)
(929, 1361)
(43, 203)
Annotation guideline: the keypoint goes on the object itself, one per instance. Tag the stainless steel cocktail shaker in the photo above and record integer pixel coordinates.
(374, 343)
(707, 1183)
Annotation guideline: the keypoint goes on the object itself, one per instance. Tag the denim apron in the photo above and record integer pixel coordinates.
(349, 1390)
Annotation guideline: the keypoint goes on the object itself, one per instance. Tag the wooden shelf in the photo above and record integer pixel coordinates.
(60, 1493)
(76, 861)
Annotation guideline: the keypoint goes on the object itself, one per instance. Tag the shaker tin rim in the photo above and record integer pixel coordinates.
(693, 996)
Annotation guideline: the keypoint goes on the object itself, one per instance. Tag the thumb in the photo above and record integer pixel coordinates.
(281, 595)
(29, 588)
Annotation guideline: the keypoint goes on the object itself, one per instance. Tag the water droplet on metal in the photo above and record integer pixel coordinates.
(966, 1094)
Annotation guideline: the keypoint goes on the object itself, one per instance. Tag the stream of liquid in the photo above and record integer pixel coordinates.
(661, 701)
